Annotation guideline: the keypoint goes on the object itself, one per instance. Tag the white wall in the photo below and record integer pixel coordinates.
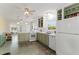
(22, 27)
(4, 25)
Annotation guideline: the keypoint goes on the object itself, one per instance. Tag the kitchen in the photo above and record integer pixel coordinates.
(18, 27)
(32, 29)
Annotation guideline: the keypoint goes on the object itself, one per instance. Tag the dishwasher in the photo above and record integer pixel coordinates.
(32, 36)
(52, 42)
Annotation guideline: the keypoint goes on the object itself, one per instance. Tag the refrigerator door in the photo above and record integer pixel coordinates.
(67, 44)
(70, 25)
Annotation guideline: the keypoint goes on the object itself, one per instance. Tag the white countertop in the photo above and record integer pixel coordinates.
(52, 34)
(41, 32)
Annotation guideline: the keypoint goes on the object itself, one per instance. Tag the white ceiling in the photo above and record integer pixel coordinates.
(11, 12)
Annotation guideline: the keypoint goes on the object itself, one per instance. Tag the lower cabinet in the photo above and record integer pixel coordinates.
(43, 38)
(48, 40)
(2, 40)
(52, 42)
(23, 37)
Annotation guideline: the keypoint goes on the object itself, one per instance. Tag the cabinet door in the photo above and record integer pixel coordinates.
(59, 14)
(43, 38)
(23, 36)
(41, 22)
(52, 42)
(46, 41)
(40, 37)
(2, 40)
(38, 22)
(77, 8)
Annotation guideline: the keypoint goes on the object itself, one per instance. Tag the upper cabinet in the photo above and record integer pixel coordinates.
(40, 22)
(71, 11)
(59, 14)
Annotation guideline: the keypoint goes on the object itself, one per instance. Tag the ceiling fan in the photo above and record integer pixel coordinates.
(27, 11)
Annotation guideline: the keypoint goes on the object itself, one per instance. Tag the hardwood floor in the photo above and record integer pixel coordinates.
(26, 48)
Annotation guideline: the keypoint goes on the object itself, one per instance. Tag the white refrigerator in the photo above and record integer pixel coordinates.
(67, 36)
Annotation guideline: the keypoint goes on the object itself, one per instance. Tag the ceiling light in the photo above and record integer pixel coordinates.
(26, 23)
(18, 23)
(26, 13)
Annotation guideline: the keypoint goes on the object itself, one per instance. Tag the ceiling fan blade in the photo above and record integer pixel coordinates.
(19, 8)
(33, 11)
(27, 11)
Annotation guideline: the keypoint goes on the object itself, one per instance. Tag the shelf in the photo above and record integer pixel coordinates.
(71, 11)
(59, 14)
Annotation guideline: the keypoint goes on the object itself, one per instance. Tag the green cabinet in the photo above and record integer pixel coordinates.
(77, 9)
(23, 37)
(59, 14)
(2, 40)
(43, 38)
(71, 11)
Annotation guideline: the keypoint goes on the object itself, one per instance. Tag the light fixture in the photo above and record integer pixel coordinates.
(26, 23)
(26, 13)
(18, 23)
